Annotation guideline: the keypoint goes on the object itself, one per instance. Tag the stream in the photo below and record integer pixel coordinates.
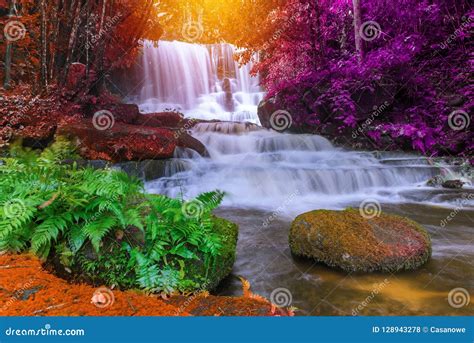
(271, 177)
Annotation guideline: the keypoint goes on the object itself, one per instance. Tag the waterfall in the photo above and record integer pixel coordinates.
(203, 82)
(261, 168)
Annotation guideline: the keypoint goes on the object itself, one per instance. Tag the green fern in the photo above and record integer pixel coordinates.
(50, 207)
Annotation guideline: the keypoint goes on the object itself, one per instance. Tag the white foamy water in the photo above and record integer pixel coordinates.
(200, 81)
(260, 168)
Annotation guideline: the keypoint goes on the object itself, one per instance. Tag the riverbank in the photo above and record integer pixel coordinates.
(28, 289)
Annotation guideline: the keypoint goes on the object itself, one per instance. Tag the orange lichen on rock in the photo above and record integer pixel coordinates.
(27, 289)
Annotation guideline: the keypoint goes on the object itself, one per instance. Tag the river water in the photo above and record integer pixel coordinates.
(271, 177)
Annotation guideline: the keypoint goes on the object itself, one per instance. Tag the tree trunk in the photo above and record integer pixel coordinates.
(72, 39)
(357, 26)
(44, 47)
(9, 52)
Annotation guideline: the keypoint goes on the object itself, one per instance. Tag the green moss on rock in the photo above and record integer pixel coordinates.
(353, 243)
(110, 265)
(220, 267)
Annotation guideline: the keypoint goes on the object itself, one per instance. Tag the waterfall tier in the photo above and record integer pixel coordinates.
(203, 82)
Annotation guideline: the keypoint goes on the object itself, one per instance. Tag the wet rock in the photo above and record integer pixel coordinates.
(453, 184)
(118, 142)
(347, 240)
(185, 140)
(162, 119)
(265, 110)
(145, 170)
(435, 181)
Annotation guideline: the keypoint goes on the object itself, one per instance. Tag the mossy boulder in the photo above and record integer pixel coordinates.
(345, 239)
(221, 266)
(109, 266)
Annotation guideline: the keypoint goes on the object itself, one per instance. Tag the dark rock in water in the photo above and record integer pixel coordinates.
(266, 108)
(453, 184)
(347, 240)
(229, 99)
(187, 141)
(435, 181)
(145, 170)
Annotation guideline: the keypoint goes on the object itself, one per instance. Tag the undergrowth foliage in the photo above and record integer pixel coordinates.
(55, 209)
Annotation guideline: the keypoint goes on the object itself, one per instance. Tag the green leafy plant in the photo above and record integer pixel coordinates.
(101, 223)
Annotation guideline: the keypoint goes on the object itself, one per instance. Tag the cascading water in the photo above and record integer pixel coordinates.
(202, 82)
(259, 168)
(270, 177)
